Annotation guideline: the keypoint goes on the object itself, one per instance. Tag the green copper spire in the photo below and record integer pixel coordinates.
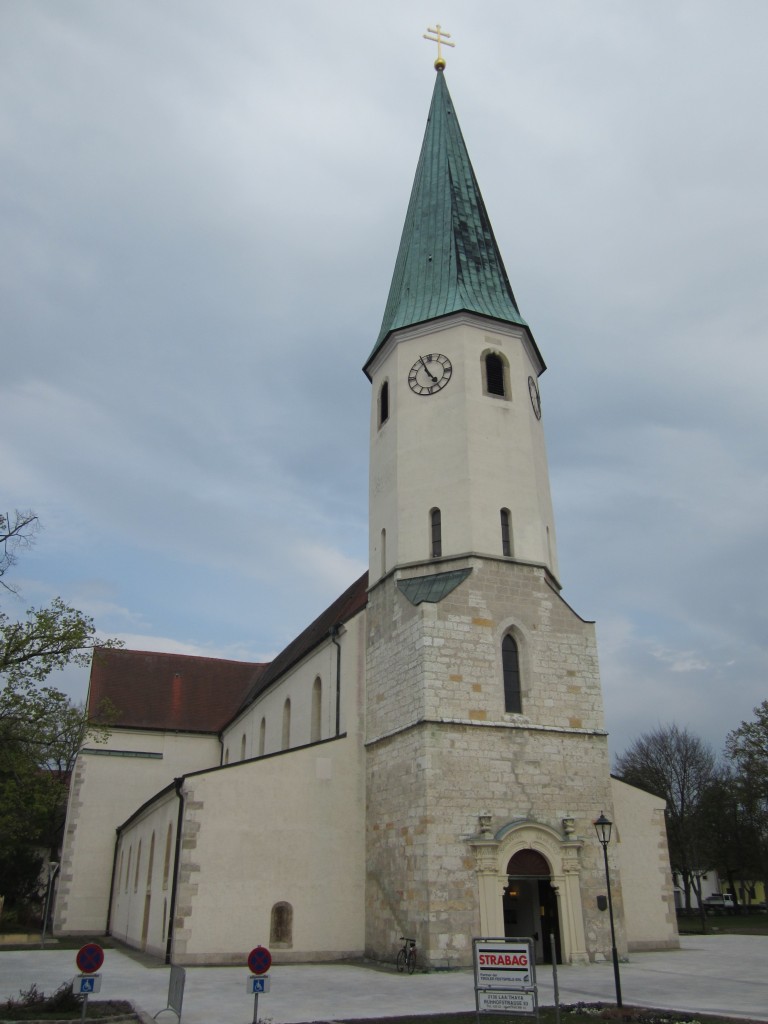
(448, 259)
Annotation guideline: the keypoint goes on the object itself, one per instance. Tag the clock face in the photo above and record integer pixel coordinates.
(533, 390)
(429, 374)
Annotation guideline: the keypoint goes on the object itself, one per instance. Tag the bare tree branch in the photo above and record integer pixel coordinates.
(17, 530)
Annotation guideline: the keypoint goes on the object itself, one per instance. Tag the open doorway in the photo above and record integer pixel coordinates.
(530, 904)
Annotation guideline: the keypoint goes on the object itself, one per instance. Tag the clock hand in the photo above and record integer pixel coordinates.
(433, 379)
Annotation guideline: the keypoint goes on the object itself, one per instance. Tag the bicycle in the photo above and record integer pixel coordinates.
(406, 957)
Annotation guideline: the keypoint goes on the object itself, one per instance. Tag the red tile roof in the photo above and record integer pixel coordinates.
(175, 692)
(184, 693)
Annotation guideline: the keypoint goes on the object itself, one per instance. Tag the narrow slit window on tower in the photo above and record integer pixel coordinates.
(506, 533)
(511, 666)
(494, 375)
(384, 403)
(436, 533)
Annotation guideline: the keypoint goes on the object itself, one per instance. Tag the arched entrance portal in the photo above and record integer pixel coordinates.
(556, 865)
(530, 904)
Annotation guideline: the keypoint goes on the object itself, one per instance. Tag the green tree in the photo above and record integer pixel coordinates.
(733, 829)
(681, 768)
(41, 732)
(40, 729)
(747, 746)
(747, 750)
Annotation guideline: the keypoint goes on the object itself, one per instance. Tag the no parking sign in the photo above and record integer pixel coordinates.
(259, 960)
(89, 958)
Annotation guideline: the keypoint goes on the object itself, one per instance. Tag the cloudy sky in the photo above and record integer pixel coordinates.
(201, 204)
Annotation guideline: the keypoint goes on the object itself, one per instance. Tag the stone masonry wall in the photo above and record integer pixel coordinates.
(441, 749)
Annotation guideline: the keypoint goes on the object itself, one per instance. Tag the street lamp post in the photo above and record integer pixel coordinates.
(603, 827)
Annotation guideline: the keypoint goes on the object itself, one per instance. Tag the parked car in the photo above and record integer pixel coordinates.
(720, 903)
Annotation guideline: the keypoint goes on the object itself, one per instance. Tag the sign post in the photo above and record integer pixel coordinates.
(505, 976)
(89, 959)
(259, 962)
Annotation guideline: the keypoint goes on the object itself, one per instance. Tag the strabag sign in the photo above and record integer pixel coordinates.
(503, 965)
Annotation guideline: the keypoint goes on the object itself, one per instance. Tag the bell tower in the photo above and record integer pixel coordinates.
(484, 719)
(458, 462)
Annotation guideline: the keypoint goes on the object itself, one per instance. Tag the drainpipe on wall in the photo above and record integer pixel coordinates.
(178, 783)
(334, 632)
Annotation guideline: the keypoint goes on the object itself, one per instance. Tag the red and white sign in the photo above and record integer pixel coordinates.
(259, 960)
(89, 958)
(504, 965)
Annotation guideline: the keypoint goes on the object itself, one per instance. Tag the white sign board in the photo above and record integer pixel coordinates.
(505, 1001)
(86, 984)
(259, 984)
(505, 976)
(504, 965)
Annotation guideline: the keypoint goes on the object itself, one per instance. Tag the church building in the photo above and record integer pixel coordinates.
(427, 758)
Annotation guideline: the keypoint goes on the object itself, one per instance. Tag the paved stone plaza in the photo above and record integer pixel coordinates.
(723, 974)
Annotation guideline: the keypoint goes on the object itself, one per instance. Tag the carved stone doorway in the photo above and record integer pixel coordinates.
(530, 904)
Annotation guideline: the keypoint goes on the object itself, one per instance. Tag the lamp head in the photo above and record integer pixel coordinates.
(603, 828)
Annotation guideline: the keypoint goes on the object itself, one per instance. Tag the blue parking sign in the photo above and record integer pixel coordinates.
(86, 984)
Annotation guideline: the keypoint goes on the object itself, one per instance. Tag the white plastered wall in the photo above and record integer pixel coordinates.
(296, 686)
(286, 827)
(641, 837)
(109, 783)
(143, 877)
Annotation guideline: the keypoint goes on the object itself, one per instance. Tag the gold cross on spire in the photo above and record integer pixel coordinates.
(441, 38)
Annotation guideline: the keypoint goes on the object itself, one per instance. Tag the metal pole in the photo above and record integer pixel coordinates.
(553, 947)
(85, 1008)
(53, 867)
(616, 977)
(255, 1007)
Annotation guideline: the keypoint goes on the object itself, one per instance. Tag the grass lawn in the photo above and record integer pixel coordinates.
(581, 1013)
(725, 924)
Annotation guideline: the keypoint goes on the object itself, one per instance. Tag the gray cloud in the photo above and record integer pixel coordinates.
(202, 207)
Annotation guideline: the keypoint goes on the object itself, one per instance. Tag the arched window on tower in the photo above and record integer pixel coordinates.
(262, 737)
(384, 403)
(494, 375)
(286, 723)
(317, 698)
(242, 747)
(511, 665)
(506, 533)
(436, 533)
